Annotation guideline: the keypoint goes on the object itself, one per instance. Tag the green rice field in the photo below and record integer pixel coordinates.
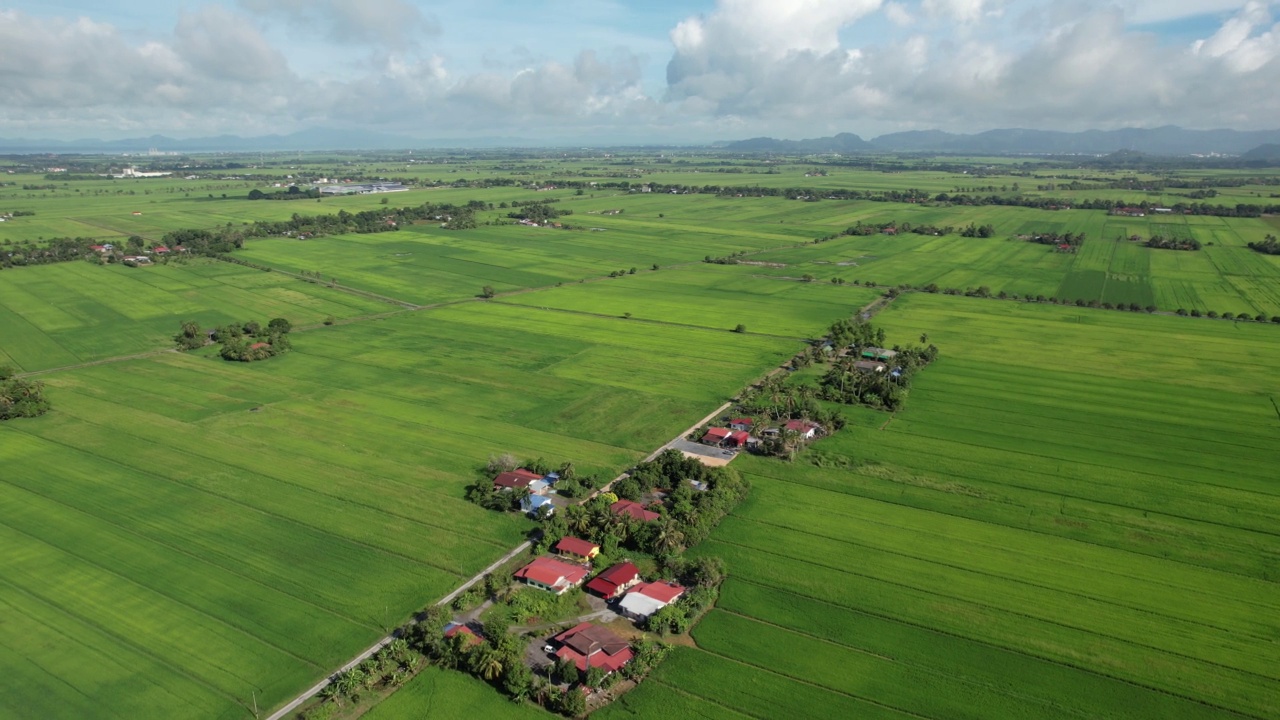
(1076, 515)
(1055, 527)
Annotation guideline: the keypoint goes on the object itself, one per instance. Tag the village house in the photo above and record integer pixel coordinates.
(807, 430)
(645, 599)
(875, 353)
(572, 548)
(454, 629)
(589, 645)
(740, 424)
(634, 510)
(520, 478)
(534, 503)
(869, 366)
(553, 575)
(616, 580)
(716, 436)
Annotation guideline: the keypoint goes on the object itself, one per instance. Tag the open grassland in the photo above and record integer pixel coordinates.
(1076, 516)
(183, 533)
(70, 313)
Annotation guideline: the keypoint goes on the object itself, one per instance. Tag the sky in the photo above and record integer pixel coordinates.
(632, 71)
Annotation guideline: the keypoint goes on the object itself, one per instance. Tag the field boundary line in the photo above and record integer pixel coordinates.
(689, 693)
(990, 644)
(997, 609)
(104, 361)
(182, 603)
(650, 321)
(812, 684)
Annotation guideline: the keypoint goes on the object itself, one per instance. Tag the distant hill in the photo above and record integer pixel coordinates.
(1166, 141)
(1266, 152)
(842, 143)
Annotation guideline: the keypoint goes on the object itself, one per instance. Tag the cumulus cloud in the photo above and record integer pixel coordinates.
(393, 24)
(1090, 69)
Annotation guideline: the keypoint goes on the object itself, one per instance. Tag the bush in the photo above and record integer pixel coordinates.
(740, 328)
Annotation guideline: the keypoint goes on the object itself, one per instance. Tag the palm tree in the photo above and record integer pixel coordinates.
(924, 338)
(487, 662)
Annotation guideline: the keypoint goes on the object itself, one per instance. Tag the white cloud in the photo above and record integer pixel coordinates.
(964, 11)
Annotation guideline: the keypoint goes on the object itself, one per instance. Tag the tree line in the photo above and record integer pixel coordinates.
(1268, 246)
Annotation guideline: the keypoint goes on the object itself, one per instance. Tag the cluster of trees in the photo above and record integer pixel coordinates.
(1213, 314)
(571, 484)
(1163, 243)
(539, 212)
(774, 401)
(292, 193)
(888, 389)
(701, 579)
(1268, 246)
(388, 668)
(982, 231)
(242, 342)
(19, 397)
(687, 515)
(1072, 240)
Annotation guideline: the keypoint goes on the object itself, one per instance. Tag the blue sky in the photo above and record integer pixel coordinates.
(625, 71)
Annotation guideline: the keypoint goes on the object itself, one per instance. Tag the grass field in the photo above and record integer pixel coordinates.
(182, 533)
(449, 695)
(70, 313)
(1076, 516)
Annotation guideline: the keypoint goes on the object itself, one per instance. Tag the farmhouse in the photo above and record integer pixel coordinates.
(616, 580)
(740, 424)
(807, 430)
(515, 479)
(553, 575)
(875, 353)
(573, 548)
(533, 503)
(869, 366)
(738, 439)
(454, 629)
(646, 599)
(634, 510)
(716, 436)
(589, 645)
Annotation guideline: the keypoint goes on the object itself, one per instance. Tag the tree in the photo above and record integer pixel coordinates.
(279, 326)
(190, 336)
(20, 397)
(573, 703)
(487, 291)
(740, 328)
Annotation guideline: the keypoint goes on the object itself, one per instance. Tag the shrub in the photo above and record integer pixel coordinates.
(740, 328)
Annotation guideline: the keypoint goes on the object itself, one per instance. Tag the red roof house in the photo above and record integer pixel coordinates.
(577, 549)
(633, 509)
(740, 424)
(738, 438)
(515, 479)
(259, 346)
(160, 250)
(666, 592)
(616, 580)
(715, 436)
(551, 574)
(806, 429)
(589, 645)
(453, 629)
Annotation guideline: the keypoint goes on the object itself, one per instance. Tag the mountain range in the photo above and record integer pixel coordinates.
(1260, 145)
(1168, 140)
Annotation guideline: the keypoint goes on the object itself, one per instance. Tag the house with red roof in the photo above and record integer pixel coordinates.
(454, 629)
(515, 479)
(589, 645)
(715, 436)
(160, 250)
(553, 575)
(616, 580)
(738, 439)
(807, 430)
(259, 346)
(741, 424)
(577, 549)
(634, 510)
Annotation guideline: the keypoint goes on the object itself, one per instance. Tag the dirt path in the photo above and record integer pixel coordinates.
(104, 361)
